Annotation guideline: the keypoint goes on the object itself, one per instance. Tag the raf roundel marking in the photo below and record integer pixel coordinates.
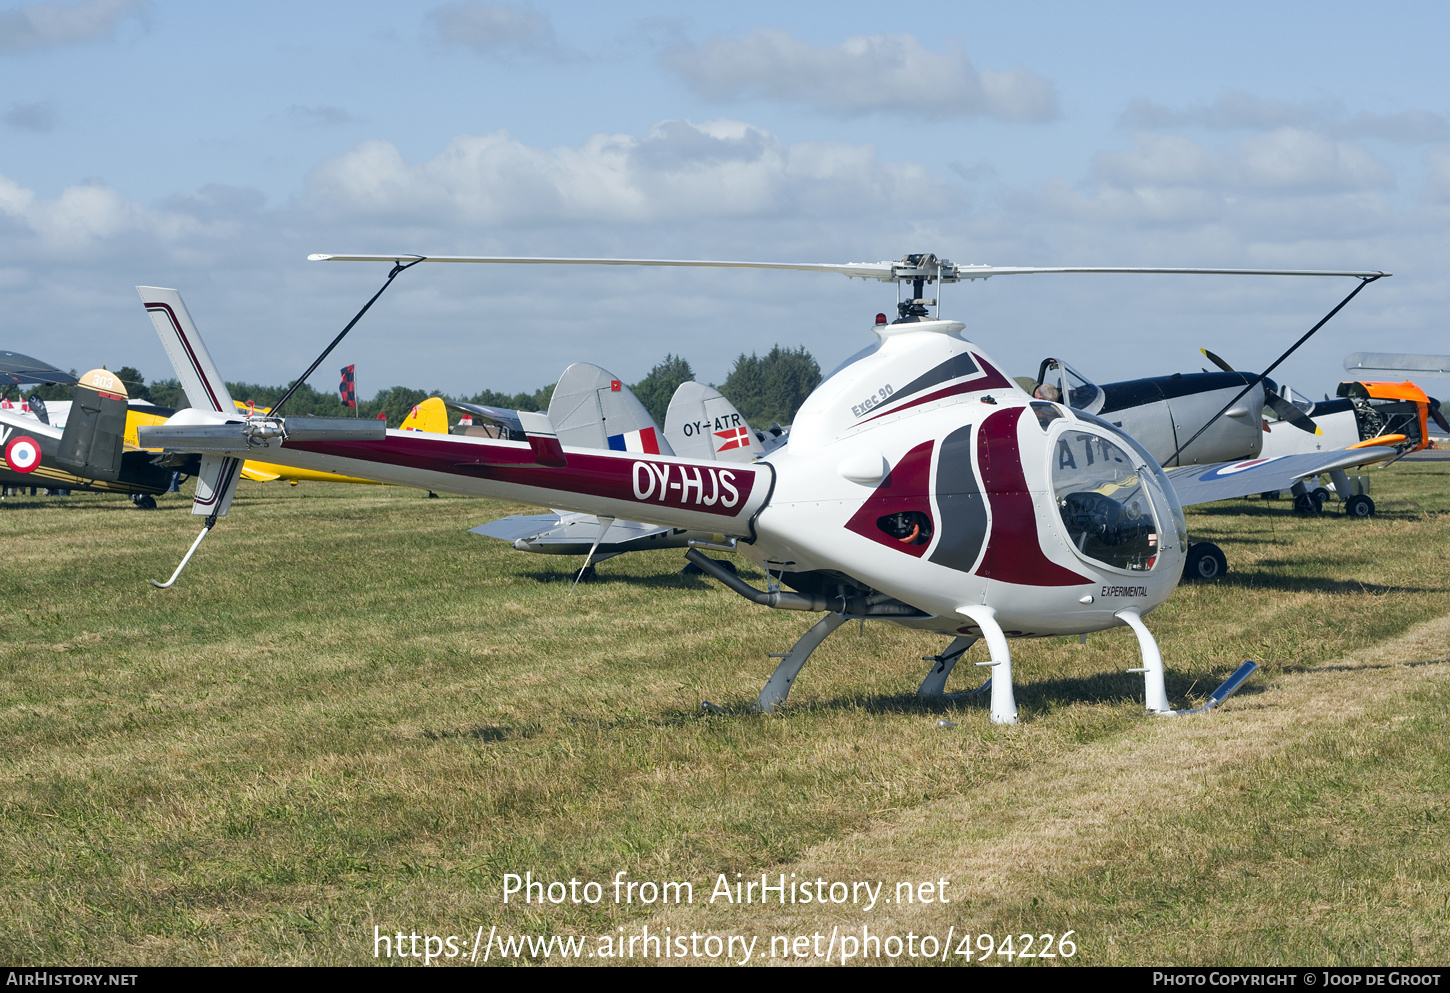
(23, 453)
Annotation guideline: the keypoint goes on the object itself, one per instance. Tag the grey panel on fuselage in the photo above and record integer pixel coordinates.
(1151, 425)
(962, 527)
(1228, 437)
(1162, 412)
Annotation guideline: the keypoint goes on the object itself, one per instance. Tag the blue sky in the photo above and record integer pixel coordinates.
(213, 146)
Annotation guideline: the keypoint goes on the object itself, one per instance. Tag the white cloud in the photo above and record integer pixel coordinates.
(1237, 111)
(680, 172)
(1437, 178)
(494, 28)
(94, 222)
(50, 25)
(1290, 160)
(861, 75)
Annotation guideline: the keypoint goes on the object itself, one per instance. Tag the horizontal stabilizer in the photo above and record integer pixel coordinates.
(334, 429)
(234, 437)
(1398, 363)
(499, 415)
(193, 437)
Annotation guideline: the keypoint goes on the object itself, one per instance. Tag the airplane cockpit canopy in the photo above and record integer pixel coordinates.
(1070, 386)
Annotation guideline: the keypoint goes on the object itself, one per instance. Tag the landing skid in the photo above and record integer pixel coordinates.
(777, 688)
(1004, 704)
(933, 687)
(1155, 694)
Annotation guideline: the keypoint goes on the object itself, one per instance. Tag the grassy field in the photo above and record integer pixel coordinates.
(351, 714)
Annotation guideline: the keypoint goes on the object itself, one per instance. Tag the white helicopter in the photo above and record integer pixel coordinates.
(920, 484)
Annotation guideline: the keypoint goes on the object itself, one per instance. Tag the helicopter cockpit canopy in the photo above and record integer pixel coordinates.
(1072, 387)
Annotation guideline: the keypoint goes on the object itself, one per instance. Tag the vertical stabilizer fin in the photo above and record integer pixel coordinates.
(198, 374)
(702, 424)
(95, 428)
(590, 408)
(430, 416)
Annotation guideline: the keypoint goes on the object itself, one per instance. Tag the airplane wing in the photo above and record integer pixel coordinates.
(573, 534)
(1226, 480)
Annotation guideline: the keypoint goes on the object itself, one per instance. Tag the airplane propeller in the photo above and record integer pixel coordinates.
(1437, 416)
(1285, 410)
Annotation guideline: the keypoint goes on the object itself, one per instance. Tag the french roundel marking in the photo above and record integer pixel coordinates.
(23, 453)
(1229, 470)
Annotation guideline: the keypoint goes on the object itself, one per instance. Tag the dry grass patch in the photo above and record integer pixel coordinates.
(351, 712)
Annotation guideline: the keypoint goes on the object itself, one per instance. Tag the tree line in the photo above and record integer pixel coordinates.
(766, 389)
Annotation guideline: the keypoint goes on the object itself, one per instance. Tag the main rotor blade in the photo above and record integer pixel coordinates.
(866, 270)
(947, 272)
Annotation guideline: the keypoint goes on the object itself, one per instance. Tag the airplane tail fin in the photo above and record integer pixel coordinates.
(198, 374)
(592, 409)
(702, 424)
(95, 429)
(431, 416)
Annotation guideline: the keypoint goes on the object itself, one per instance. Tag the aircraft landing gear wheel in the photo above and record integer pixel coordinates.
(1269, 495)
(1309, 503)
(143, 501)
(1359, 505)
(1205, 561)
(586, 574)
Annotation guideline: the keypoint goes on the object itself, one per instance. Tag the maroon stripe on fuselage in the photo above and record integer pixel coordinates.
(991, 380)
(190, 354)
(1014, 550)
(626, 476)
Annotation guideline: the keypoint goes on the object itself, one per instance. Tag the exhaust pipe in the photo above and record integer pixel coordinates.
(876, 605)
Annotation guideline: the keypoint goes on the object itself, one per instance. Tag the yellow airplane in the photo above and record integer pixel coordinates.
(430, 415)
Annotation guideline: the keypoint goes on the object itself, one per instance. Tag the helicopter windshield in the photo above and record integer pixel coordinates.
(1104, 504)
(1061, 383)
